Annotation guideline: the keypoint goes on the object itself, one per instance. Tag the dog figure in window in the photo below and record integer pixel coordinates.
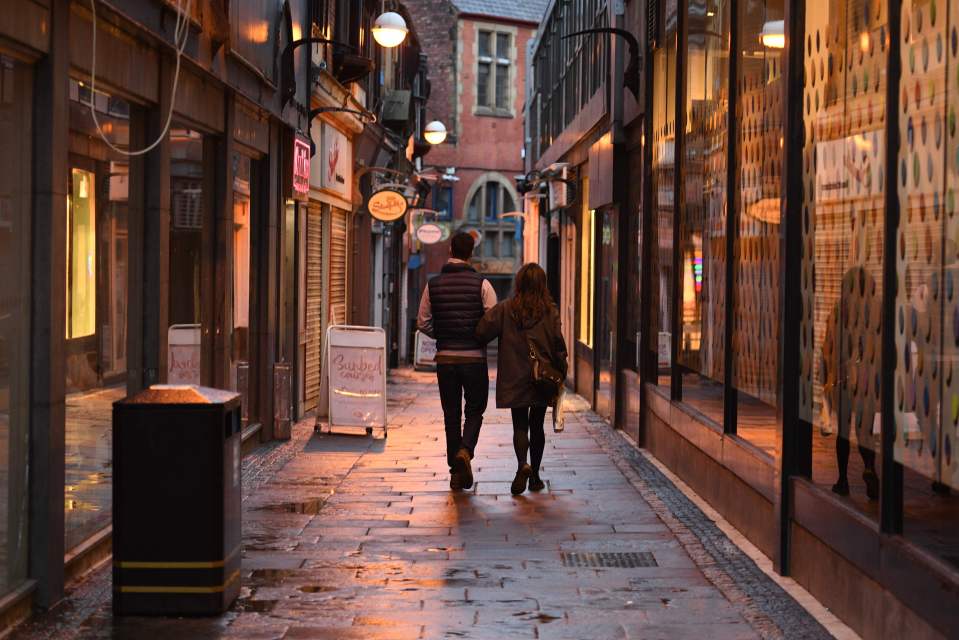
(850, 369)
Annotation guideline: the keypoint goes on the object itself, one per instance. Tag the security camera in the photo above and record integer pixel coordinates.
(523, 185)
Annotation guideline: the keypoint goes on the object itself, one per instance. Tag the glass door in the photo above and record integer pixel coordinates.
(16, 83)
(240, 349)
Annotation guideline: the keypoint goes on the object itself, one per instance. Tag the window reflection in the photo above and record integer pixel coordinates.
(664, 132)
(845, 56)
(927, 304)
(756, 258)
(703, 228)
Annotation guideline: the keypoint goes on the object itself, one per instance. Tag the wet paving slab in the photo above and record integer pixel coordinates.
(354, 537)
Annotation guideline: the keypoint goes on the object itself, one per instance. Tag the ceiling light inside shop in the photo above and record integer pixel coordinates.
(773, 35)
(435, 132)
(390, 30)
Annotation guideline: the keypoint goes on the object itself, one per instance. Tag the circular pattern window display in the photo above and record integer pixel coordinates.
(704, 231)
(927, 302)
(757, 285)
(845, 53)
(664, 136)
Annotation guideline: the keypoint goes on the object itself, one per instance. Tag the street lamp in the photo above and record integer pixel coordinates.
(435, 132)
(389, 30)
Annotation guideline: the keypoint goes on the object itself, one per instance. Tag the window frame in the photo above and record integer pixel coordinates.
(495, 62)
(497, 228)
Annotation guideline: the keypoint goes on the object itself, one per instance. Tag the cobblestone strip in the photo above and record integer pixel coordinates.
(772, 612)
(263, 463)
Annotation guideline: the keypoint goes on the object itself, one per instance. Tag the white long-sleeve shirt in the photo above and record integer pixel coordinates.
(424, 320)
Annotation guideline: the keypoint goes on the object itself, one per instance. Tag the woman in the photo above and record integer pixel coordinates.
(529, 314)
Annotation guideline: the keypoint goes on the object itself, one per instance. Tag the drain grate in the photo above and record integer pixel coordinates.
(630, 560)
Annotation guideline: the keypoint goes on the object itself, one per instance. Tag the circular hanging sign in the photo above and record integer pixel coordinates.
(387, 205)
(429, 233)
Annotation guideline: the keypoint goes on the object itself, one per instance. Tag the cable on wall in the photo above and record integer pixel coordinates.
(180, 36)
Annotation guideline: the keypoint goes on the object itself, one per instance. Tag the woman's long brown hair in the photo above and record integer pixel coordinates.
(531, 299)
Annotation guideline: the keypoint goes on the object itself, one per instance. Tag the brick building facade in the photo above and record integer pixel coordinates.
(477, 52)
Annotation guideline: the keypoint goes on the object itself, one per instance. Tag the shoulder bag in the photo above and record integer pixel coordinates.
(547, 379)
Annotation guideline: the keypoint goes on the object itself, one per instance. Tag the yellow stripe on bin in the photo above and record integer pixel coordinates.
(213, 564)
(217, 589)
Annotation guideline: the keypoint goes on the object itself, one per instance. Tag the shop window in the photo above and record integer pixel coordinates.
(493, 71)
(587, 247)
(97, 277)
(703, 228)
(663, 190)
(756, 259)
(843, 233)
(186, 230)
(16, 106)
(926, 325)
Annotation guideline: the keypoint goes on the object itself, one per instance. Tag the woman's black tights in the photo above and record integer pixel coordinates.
(528, 435)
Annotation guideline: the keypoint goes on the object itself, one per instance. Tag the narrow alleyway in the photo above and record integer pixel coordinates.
(348, 537)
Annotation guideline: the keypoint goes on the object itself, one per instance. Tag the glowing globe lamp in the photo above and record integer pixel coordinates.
(390, 30)
(435, 132)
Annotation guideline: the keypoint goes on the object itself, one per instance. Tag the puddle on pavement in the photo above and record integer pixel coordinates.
(317, 588)
(272, 577)
(309, 507)
(256, 606)
(544, 618)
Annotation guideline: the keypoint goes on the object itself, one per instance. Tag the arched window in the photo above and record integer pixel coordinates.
(490, 196)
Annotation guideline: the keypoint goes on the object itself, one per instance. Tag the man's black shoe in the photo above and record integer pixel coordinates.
(461, 465)
(456, 481)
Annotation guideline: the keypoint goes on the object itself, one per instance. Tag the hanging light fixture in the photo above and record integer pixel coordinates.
(390, 29)
(435, 132)
(773, 35)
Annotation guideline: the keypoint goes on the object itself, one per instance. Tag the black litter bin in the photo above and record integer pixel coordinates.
(176, 501)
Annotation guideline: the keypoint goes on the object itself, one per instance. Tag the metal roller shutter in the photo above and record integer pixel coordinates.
(314, 307)
(339, 220)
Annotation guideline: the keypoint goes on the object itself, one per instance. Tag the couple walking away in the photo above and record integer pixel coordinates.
(460, 311)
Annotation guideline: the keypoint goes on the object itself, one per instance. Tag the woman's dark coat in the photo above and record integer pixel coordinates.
(514, 376)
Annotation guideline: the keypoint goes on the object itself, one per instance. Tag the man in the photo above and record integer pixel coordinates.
(451, 307)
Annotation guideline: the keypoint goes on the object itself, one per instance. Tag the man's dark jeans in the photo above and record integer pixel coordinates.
(457, 381)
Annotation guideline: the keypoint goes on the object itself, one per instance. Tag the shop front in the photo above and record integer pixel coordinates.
(324, 241)
(137, 234)
(798, 257)
(767, 306)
